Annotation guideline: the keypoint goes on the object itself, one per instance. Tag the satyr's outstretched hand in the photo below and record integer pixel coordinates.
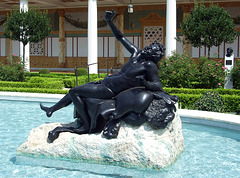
(109, 15)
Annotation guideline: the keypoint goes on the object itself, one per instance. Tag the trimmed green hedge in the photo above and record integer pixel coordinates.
(221, 91)
(186, 101)
(231, 102)
(52, 85)
(34, 90)
(52, 75)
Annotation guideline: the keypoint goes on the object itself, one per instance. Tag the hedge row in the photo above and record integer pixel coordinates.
(232, 102)
(51, 75)
(52, 85)
(64, 75)
(71, 82)
(34, 90)
(221, 91)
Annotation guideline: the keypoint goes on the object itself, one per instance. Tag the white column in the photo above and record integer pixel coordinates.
(24, 6)
(92, 35)
(171, 24)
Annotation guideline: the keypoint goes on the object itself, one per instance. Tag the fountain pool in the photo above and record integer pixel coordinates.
(209, 151)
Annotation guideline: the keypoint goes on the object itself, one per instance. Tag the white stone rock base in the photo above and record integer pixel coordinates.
(135, 147)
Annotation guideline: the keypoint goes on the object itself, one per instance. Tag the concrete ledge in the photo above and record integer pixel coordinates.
(223, 120)
(38, 97)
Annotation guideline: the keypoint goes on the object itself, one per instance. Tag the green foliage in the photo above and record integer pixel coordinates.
(69, 83)
(232, 103)
(186, 101)
(44, 82)
(13, 70)
(52, 85)
(34, 90)
(210, 101)
(211, 73)
(236, 75)
(52, 75)
(27, 26)
(82, 71)
(36, 80)
(208, 26)
(221, 91)
(179, 70)
(44, 71)
(97, 79)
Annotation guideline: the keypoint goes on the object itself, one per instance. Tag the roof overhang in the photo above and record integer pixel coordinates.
(6, 5)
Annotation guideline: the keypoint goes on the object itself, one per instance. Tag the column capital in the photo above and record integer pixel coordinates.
(61, 12)
(121, 10)
(187, 8)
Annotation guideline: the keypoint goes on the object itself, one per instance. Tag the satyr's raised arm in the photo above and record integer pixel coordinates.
(118, 34)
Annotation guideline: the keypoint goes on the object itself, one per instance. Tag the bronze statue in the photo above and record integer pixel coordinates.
(117, 97)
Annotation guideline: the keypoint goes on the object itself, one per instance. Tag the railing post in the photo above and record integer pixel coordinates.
(98, 70)
(115, 61)
(76, 73)
(107, 67)
(88, 72)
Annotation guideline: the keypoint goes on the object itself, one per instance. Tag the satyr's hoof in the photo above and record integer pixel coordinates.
(111, 130)
(46, 109)
(52, 135)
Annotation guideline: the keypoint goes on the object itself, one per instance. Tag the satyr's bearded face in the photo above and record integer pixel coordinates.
(154, 52)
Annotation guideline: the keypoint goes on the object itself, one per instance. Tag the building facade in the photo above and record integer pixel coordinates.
(67, 45)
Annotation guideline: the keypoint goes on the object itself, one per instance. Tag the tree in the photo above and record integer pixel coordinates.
(208, 27)
(29, 26)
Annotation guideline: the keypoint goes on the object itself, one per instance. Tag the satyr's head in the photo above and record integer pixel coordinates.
(153, 52)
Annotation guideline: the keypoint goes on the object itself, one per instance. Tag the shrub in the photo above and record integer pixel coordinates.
(211, 73)
(44, 71)
(97, 79)
(221, 91)
(186, 101)
(34, 90)
(13, 70)
(236, 75)
(179, 70)
(69, 83)
(82, 71)
(210, 101)
(53, 85)
(36, 80)
(232, 103)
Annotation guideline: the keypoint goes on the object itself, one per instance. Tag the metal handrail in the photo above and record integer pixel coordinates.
(84, 66)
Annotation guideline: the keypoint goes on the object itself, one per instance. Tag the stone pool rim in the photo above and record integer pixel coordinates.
(222, 120)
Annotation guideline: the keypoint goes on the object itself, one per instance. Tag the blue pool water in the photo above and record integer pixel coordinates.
(209, 152)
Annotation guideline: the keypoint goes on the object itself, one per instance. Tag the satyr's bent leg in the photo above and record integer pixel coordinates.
(89, 90)
(137, 101)
(54, 134)
(112, 128)
(65, 101)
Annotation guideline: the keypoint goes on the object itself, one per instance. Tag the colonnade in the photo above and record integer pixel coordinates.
(92, 33)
